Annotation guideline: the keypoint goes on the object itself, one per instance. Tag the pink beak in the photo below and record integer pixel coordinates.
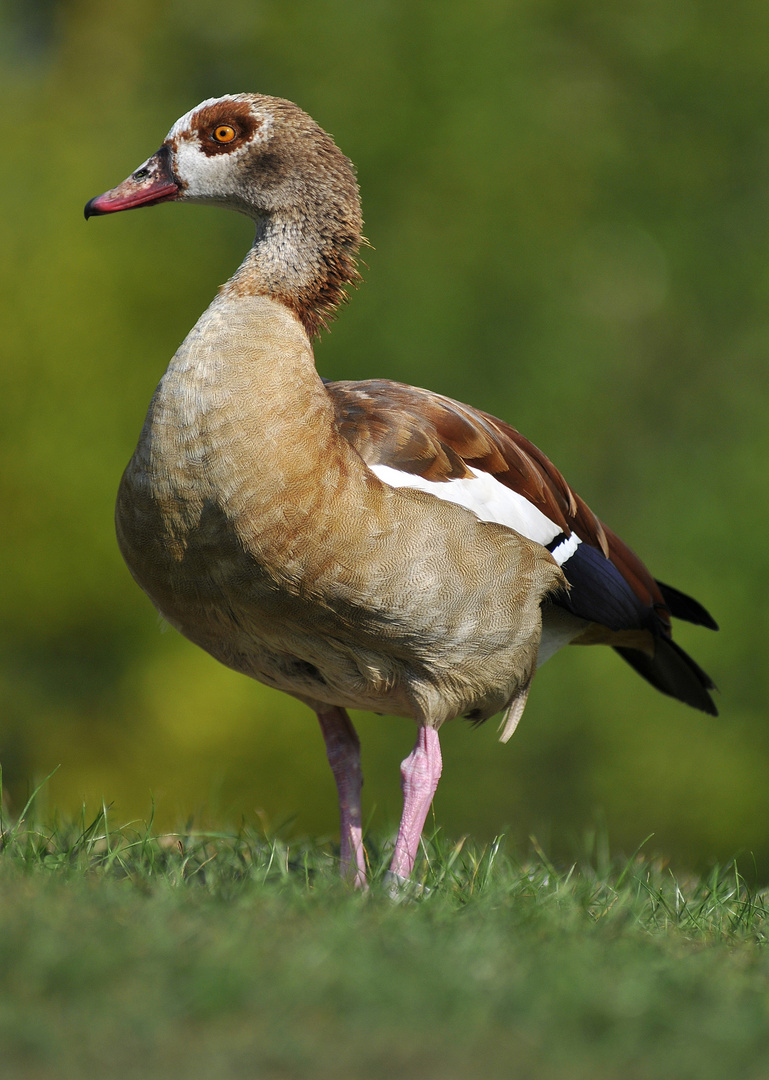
(152, 183)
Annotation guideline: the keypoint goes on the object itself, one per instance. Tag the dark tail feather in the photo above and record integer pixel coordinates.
(673, 671)
(684, 607)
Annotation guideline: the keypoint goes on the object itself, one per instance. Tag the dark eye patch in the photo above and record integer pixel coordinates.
(226, 114)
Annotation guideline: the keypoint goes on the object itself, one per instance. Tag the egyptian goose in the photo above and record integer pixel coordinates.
(360, 545)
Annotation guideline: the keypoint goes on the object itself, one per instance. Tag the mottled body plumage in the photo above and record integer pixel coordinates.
(346, 592)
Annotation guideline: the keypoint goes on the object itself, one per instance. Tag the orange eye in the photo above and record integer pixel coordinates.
(223, 133)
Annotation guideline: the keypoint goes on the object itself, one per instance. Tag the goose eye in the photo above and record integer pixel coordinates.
(223, 133)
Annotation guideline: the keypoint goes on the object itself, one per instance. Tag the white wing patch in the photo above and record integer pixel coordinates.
(563, 551)
(489, 500)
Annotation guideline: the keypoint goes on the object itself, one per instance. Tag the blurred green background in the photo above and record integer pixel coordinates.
(569, 207)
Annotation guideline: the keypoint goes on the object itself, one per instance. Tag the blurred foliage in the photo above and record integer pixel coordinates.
(569, 207)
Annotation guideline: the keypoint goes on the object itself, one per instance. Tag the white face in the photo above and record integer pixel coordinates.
(211, 141)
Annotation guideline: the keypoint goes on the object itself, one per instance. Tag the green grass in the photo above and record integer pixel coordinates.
(126, 954)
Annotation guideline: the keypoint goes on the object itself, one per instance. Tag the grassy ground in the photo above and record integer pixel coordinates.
(128, 955)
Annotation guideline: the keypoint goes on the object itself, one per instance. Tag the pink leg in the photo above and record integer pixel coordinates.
(343, 751)
(420, 773)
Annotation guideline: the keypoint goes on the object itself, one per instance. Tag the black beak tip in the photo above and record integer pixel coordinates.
(90, 209)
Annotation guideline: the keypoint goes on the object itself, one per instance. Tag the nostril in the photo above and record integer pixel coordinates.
(141, 174)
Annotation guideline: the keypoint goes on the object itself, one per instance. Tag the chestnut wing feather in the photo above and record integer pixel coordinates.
(420, 432)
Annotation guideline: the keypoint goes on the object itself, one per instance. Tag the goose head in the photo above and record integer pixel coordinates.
(266, 158)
